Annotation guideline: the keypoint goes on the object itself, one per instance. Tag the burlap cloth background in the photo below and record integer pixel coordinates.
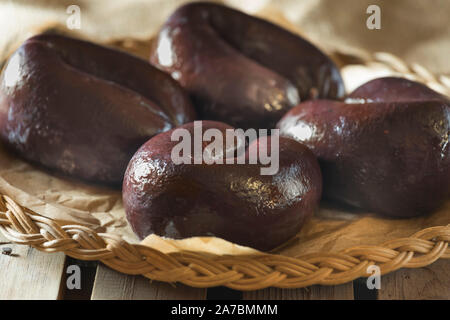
(416, 31)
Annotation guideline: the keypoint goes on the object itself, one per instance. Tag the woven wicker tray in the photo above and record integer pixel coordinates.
(21, 225)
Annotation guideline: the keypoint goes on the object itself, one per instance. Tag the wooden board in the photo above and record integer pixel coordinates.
(30, 274)
(431, 282)
(341, 292)
(110, 284)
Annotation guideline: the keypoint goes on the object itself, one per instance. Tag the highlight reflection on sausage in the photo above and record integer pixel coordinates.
(384, 149)
(231, 201)
(241, 69)
(83, 109)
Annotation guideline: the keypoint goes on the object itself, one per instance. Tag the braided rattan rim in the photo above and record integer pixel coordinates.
(24, 226)
(413, 71)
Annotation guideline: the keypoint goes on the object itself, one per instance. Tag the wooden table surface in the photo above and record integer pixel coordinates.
(29, 274)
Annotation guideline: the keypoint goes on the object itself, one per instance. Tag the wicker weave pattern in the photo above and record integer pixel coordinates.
(414, 71)
(23, 226)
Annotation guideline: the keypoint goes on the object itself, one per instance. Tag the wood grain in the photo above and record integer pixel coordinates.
(340, 292)
(30, 274)
(431, 282)
(110, 284)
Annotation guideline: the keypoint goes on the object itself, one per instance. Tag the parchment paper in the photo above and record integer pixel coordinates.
(68, 200)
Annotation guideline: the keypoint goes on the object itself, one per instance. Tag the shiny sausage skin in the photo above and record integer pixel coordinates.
(385, 149)
(83, 110)
(231, 201)
(241, 69)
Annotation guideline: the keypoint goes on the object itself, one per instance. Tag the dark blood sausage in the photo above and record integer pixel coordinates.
(231, 201)
(82, 109)
(385, 149)
(240, 69)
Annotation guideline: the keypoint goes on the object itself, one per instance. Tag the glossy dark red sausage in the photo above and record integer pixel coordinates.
(392, 89)
(385, 150)
(82, 109)
(231, 201)
(241, 69)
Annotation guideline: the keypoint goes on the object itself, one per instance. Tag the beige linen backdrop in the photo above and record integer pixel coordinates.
(415, 30)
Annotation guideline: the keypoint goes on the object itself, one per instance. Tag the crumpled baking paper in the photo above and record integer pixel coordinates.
(130, 24)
